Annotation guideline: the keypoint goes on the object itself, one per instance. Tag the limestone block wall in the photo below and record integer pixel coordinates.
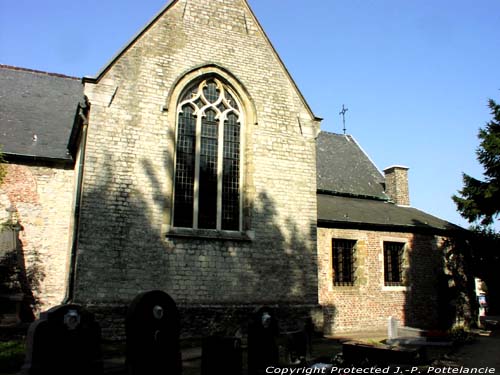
(368, 304)
(40, 200)
(124, 247)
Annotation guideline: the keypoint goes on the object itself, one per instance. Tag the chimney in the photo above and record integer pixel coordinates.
(396, 184)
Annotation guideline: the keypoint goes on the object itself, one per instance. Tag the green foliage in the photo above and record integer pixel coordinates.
(485, 263)
(455, 286)
(11, 355)
(460, 335)
(480, 200)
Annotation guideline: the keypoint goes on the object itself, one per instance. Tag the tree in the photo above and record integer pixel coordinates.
(479, 201)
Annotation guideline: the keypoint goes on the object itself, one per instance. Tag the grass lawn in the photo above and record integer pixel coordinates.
(11, 356)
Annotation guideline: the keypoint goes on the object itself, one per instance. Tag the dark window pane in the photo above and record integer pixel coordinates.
(210, 91)
(207, 210)
(191, 93)
(201, 98)
(393, 263)
(343, 261)
(231, 174)
(184, 171)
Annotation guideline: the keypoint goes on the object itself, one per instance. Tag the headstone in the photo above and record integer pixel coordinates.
(221, 355)
(153, 327)
(262, 345)
(65, 340)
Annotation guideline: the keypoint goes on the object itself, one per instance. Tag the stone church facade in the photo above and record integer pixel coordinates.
(144, 222)
(191, 167)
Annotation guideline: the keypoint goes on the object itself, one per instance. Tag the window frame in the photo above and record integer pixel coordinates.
(351, 250)
(240, 109)
(390, 246)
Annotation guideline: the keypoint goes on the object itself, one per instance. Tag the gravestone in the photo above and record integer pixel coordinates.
(65, 340)
(152, 327)
(221, 355)
(262, 341)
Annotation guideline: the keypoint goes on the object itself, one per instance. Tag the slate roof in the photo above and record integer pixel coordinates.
(351, 192)
(344, 168)
(37, 103)
(337, 211)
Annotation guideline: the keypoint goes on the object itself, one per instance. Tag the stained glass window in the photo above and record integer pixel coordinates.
(207, 168)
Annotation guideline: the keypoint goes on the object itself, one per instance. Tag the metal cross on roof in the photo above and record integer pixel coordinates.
(344, 110)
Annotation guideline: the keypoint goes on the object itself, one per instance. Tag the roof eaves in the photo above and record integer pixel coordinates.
(351, 195)
(322, 223)
(34, 159)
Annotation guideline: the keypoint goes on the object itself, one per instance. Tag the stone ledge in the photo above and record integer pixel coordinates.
(209, 234)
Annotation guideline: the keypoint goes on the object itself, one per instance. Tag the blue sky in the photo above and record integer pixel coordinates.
(414, 74)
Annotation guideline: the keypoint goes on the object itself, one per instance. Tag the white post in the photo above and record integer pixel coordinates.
(392, 329)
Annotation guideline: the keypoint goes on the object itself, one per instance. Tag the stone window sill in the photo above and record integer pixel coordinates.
(222, 235)
(400, 288)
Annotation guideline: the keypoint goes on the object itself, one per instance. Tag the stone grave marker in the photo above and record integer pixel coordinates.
(262, 341)
(65, 340)
(152, 328)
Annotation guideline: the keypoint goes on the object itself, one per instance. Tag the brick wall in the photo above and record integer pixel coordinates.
(127, 194)
(40, 199)
(368, 304)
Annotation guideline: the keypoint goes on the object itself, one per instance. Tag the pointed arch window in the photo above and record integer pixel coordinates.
(207, 187)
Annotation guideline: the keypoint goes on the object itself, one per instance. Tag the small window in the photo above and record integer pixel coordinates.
(343, 262)
(393, 263)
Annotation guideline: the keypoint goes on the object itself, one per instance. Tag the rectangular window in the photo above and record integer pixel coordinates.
(230, 179)
(393, 263)
(207, 209)
(343, 261)
(185, 171)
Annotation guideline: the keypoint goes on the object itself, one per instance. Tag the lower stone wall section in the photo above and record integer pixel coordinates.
(204, 320)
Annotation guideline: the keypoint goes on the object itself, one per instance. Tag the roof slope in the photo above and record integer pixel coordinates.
(37, 103)
(353, 212)
(344, 168)
(351, 192)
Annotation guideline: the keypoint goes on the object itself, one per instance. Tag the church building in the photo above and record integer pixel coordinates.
(194, 165)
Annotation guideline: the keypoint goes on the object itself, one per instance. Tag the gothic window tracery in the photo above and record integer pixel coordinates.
(207, 165)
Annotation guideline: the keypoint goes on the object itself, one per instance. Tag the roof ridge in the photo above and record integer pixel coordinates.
(51, 74)
(368, 157)
(332, 133)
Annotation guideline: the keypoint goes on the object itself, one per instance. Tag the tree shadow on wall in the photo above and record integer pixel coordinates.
(123, 250)
(19, 284)
(441, 285)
